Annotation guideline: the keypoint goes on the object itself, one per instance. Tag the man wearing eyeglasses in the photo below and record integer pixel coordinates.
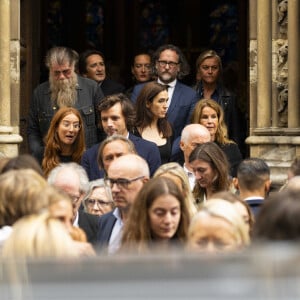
(64, 88)
(170, 65)
(127, 175)
(72, 179)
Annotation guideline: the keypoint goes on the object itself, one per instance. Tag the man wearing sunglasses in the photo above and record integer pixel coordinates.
(127, 175)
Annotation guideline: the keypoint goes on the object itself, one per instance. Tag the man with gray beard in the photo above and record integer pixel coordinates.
(64, 88)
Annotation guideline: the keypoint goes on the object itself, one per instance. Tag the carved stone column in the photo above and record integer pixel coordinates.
(274, 84)
(8, 139)
(293, 64)
(264, 64)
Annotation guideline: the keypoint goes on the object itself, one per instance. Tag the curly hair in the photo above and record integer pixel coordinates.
(127, 107)
(53, 146)
(144, 115)
(184, 66)
(221, 133)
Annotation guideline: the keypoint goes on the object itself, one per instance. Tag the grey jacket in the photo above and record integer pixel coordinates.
(42, 110)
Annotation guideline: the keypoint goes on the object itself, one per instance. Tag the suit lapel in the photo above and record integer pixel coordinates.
(174, 100)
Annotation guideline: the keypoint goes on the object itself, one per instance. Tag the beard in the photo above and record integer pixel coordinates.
(63, 92)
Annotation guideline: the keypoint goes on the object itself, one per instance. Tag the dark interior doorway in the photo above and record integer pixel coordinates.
(120, 28)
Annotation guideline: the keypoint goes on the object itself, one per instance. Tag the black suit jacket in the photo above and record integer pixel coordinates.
(110, 87)
(89, 224)
(255, 205)
(106, 225)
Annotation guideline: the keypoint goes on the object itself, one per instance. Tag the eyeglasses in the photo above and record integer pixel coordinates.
(122, 182)
(163, 63)
(67, 125)
(91, 202)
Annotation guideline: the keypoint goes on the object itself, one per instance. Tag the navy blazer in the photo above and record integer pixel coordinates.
(148, 150)
(105, 225)
(182, 104)
(255, 205)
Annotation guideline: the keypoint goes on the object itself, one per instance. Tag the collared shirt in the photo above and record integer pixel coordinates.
(170, 89)
(191, 176)
(5, 232)
(116, 234)
(75, 223)
(254, 197)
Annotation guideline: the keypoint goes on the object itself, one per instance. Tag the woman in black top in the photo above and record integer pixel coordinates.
(151, 120)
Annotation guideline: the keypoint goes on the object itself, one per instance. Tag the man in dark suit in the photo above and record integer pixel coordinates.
(127, 175)
(171, 65)
(72, 179)
(91, 64)
(117, 116)
(253, 182)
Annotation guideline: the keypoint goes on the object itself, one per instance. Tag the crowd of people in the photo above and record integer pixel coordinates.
(148, 168)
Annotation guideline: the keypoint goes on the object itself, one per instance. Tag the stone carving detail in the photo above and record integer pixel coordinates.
(282, 100)
(282, 54)
(282, 10)
(282, 84)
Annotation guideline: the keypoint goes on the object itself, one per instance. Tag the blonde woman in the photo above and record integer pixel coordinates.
(175, 172)
(21, 194)
(217, 227)
(210, 114)
(39, 236)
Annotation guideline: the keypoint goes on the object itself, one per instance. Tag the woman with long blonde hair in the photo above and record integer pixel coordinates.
(210, 114)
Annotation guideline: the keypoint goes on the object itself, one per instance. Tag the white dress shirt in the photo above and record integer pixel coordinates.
(191, 177)
(116, 234)
(170, 89)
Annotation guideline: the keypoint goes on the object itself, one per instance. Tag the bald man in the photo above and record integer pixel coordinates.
(192, 135)
(127, 175)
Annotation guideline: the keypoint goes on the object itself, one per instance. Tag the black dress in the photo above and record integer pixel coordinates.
(164, 150)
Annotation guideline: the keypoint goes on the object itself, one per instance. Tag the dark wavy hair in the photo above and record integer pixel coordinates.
(184, 66)
(83, 57)
(127, 107)
(144, 116)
